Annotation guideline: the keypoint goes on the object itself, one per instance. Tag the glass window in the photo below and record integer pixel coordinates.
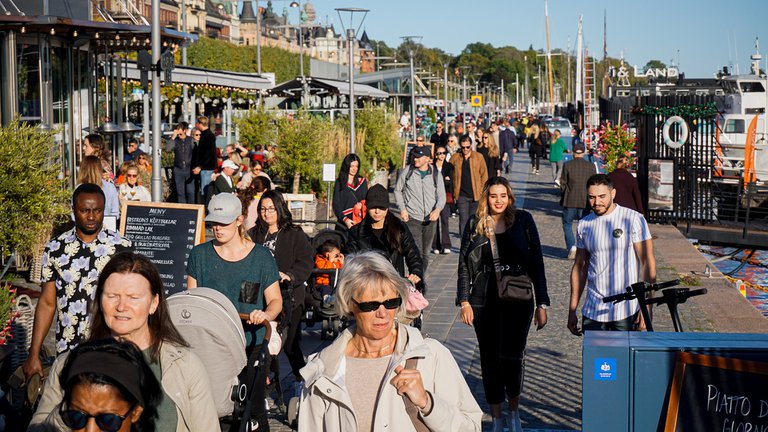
(28, 68)
(752, 87)
(734, 126)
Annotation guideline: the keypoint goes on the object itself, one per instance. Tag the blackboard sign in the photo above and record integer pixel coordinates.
(409, 145)
(165, 233)
(711, 393)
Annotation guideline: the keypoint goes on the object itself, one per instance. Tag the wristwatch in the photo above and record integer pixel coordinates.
(544, 306)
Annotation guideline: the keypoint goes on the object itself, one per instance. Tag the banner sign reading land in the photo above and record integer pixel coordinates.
(165, 233)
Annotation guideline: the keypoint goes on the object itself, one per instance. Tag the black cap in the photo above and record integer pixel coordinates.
(377, 197)
(421, 151)
(579, 148)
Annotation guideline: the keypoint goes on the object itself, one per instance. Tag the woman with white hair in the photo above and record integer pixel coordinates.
(380, 374)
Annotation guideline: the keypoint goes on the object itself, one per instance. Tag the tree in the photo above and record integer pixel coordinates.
(258, 127)
(301, 149)
(33, 194)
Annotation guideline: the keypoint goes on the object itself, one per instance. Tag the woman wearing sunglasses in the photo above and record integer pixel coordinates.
(381, 374)
(109, 385)
(131, 190)
(130, 306)
(501, 326)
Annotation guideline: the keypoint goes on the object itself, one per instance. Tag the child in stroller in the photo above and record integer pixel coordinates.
(322, 285)
(329, 257)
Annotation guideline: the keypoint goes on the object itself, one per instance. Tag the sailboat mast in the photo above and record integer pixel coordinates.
(579, 63)
(549, 62)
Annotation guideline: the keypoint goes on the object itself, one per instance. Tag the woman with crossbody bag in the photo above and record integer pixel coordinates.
(493, 297)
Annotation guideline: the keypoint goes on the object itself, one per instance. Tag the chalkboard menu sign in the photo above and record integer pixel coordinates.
(711, 393)
(164, 233)
(410, 145)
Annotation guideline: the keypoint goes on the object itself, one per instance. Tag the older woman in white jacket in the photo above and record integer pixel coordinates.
(381, 375)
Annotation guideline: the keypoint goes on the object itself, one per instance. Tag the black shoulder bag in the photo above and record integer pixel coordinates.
(513, 282)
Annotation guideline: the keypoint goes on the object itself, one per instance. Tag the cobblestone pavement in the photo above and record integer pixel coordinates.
(551, 397)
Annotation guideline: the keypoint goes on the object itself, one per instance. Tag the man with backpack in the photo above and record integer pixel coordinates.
(420, 196)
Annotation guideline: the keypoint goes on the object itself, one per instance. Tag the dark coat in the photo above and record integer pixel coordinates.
(507, 140)
(361, 239)
(573, 182)
(447, 174)
(206, 151)
(627, 190)
(476, 273)
(294, 256)
(220, 185)
(345, 197)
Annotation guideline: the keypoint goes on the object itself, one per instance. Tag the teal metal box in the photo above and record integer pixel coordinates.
(626, 375)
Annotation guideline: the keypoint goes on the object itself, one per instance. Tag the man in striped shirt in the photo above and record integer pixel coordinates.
(614, 250)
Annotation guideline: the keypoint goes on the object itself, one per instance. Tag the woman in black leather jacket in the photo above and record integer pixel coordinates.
(382, 231)
(501, 326)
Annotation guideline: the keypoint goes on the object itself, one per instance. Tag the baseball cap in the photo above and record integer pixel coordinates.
(224, 208)
(421, 151)
(377, 197)
(229, 164)
(579, 148)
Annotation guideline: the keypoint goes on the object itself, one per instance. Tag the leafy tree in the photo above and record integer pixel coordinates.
(258, 127)
(655, 64)
(33, 195)
(301, 147)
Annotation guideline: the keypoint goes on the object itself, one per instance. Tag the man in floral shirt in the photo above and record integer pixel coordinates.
(71, 266)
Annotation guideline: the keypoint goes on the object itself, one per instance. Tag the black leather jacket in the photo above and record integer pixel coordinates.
(361, 239)
(476, 274)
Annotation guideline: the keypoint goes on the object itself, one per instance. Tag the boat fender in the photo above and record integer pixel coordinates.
(682, 136)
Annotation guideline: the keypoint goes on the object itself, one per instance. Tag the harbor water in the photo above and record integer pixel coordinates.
(746, 265)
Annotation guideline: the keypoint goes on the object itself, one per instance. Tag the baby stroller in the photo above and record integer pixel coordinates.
(318, 310)
(209, 321)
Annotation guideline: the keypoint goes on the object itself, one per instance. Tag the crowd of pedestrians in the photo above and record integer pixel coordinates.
(114, 336)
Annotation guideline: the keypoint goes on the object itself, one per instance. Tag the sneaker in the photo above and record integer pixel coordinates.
(537, 172)
(572, 253)
(557, 182)
(436, 251)
(513, 421)
(446, 251)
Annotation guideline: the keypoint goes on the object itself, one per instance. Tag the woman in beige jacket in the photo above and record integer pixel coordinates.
(130, 305)
(381, 375)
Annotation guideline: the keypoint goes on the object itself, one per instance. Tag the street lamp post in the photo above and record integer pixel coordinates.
(258, 39)
(411, 53)
(157, 183)
(350, 40)
(445, 91)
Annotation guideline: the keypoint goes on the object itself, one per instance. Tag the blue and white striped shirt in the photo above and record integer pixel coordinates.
(613, 264)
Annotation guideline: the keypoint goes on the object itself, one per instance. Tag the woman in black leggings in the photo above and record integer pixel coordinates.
(501, 326)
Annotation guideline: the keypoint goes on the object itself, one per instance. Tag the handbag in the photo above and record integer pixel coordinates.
(449, 197)
(515, 285)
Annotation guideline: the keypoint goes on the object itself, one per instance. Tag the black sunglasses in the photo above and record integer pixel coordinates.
(371, 306)
(466, 147)
(440, 153)
(107, 422)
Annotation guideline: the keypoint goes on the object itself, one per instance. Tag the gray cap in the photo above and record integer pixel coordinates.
(224, 208)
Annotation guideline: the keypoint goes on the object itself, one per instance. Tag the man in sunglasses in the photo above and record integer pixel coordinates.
(507, 144)
(420, 196)
(469, 175)
(440, 137)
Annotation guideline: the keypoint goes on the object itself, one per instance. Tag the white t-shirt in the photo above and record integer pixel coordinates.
(613, 264)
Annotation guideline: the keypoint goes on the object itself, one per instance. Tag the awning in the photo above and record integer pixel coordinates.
(293, 88)
(193, 75)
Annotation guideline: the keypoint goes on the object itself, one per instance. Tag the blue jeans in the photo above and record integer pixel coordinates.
(205, 182)
(570, 214)
(508, 162)
(185, 185)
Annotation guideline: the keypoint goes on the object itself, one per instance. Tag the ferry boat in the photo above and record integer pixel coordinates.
(743, 107)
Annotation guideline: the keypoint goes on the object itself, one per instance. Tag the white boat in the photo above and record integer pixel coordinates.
(746, 96)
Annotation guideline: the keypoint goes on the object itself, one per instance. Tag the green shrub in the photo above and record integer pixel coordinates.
(33, 194)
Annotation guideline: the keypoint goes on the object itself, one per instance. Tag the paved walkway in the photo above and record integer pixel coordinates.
(551, 397)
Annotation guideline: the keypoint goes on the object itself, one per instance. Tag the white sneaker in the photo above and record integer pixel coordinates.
(557, 182)
(436, 251)
(446, 251)
(537, 172)
(572, 253)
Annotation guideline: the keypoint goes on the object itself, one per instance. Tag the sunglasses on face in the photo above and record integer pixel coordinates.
(371, 306)
(485, 138)
(440, 153)
(466, 147)
(107, 422)
(419, 140)
(131, 175)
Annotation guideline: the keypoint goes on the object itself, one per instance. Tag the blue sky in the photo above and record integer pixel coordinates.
(708, 34)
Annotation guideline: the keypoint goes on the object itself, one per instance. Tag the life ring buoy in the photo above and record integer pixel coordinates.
(682, 136)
